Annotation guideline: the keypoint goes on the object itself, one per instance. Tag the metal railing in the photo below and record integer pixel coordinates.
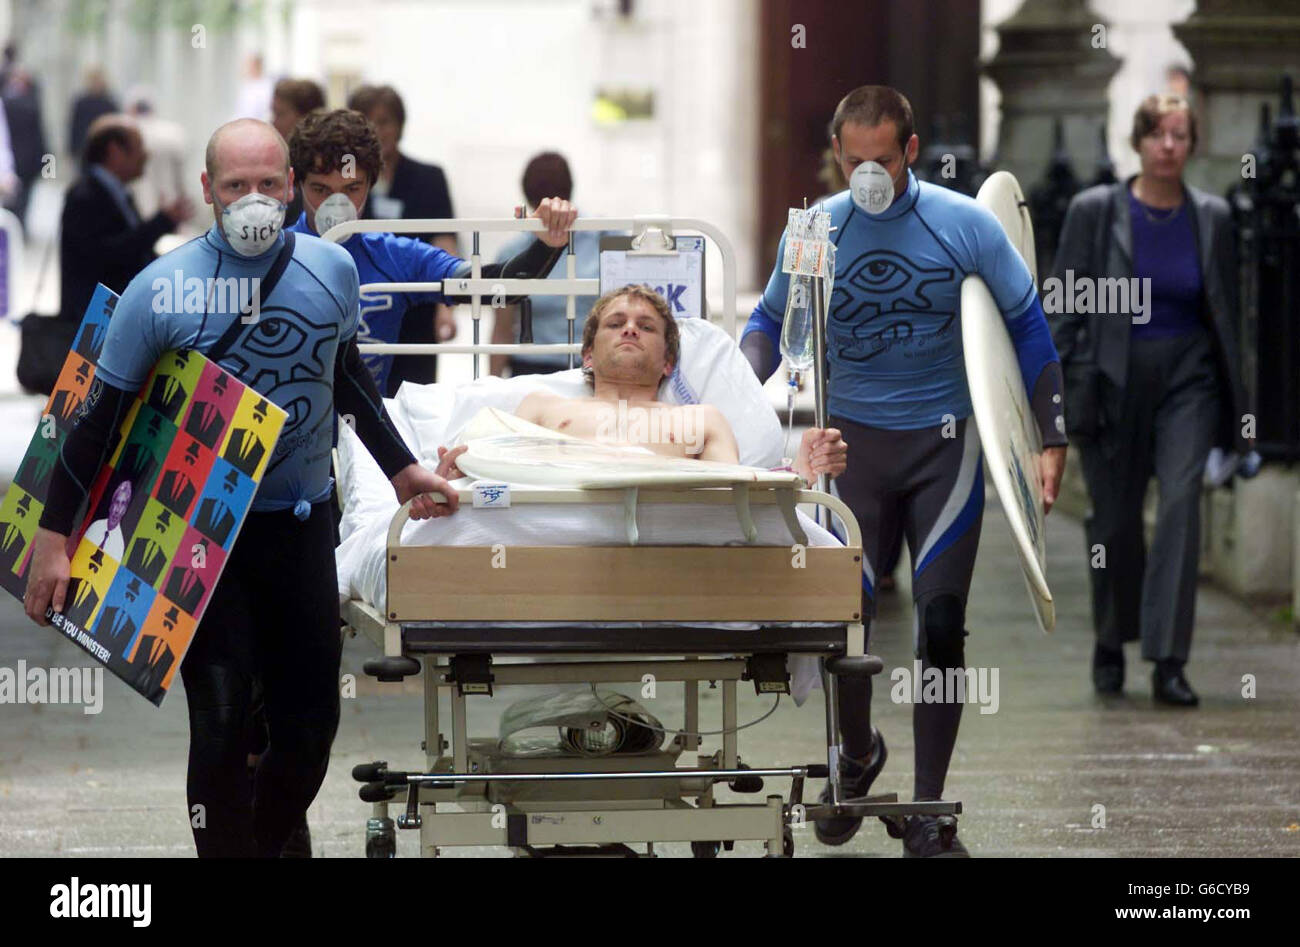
(651, 235)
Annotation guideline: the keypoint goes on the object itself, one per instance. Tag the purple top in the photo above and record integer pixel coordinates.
(1164, 251)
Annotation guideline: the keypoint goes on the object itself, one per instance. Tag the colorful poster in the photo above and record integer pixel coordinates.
(162, 514)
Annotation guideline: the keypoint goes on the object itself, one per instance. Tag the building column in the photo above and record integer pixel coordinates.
(1052, 63)
(1239, 49)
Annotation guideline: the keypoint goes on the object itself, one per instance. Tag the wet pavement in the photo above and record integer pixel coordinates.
(1220, 780)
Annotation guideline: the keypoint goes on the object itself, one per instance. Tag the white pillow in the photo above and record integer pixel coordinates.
(420, 413)
(712, 371)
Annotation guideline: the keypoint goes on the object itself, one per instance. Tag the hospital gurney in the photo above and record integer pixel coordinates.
(450, 632)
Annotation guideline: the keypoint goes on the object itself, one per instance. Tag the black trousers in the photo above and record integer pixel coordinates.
(273, 620)
(927, 488)
(1164, 428)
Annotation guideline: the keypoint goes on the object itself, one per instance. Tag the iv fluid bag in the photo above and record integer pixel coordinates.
(797, 327)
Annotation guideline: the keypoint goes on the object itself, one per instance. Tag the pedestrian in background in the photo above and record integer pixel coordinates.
(407, 189)
(1150, 393)
(93, 101)
(104, 237)
(546, 175)
(22, 108)
(291, 101)
(163, 180)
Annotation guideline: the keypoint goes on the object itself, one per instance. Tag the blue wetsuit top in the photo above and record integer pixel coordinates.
(388, 258)
(288, 353)
(893, 335)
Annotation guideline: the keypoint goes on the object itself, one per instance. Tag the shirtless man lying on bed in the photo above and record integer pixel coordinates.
(630, 344)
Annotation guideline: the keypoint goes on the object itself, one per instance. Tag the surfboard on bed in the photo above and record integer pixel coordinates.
(1007, 428)
(507, 448)
(163, 512)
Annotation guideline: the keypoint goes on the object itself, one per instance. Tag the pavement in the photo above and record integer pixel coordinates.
(1055, 771)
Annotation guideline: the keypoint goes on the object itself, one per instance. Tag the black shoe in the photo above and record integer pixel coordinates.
(298, 845)
(1168, 686)
(923, 837)
(1107, 670)
(856, 777)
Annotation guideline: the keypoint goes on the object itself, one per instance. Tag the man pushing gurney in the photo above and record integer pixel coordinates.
(274, 615)
(898, 389)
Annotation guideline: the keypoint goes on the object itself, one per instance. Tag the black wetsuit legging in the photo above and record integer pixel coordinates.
(274, 618)
(927, 484)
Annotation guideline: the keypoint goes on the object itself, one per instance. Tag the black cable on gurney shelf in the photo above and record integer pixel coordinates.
(666, 732)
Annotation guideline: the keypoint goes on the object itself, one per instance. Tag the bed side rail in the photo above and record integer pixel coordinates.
(626, 583)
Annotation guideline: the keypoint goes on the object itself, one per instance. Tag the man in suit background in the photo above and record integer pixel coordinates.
(407, 189)
(104, 240)
(22, 106)
(93, 101)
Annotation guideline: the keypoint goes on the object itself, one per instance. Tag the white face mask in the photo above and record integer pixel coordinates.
(334, 210)
(872, 187)
(251, 223)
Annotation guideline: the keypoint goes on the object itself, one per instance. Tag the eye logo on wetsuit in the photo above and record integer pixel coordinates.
(290, 359)
(882, 300)
(274, 337)
(880, 275)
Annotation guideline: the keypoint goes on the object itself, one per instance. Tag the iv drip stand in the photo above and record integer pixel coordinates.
(819, 376)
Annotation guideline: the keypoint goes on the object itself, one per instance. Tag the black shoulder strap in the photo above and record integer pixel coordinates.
(265, 288)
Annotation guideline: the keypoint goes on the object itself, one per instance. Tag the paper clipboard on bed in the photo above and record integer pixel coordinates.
(676, 272)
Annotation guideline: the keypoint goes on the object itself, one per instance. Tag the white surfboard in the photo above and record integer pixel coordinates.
(1007, 428)
(509, 449)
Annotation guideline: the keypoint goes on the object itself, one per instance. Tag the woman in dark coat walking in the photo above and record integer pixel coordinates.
(1149, 389)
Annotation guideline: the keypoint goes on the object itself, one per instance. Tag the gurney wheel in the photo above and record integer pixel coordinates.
(705, 849)
(381, 839)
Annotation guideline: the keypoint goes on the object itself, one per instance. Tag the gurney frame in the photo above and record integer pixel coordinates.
(812, 607)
